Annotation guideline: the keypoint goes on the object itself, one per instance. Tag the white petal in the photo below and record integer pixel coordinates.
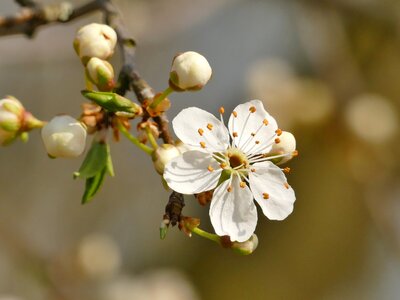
(247, 123)
(269, 179)
(189, 174)
(233, 213)
(188, 122)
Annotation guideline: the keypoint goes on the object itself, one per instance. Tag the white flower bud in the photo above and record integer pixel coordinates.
(247, 247)
(64, 136)
(95, 40)
(162, 155)
(101, 73)
(190, 71)
(11, 119)
(286, 145)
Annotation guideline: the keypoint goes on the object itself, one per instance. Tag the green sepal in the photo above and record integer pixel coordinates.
(112, 102)
(95, 161)
(93, 185)
(225, 175)
(163, 231)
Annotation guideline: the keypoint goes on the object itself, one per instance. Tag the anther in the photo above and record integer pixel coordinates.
(222, 165)
(257, 142)
(253, 170)
(200, 131)
(221, 110)
(277, 140)
(234, 113)
(229, 189)
(209, 168)
(243, 184)
(278, 132)
(266, 196)
(202, 144)
(210, 126)
(235, 134)
(265, 121)
(286, 185)
(295, 153)
(252, 109)
(286, 170)
(253, 134)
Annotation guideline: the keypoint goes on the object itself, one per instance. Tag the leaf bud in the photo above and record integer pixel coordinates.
(64, 136)
(190, 71)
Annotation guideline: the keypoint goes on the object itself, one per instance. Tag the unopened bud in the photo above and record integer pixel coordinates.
(247, 247)
(190, 71)
(162, 155)
(286, 145)
(64, 136)
(11, 118)
(95, 40)
(101, 73)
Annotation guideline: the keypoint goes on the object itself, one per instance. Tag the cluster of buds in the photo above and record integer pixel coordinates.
(15, 121)
(94, 44)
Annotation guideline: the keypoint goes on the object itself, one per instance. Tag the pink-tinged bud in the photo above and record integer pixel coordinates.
(11, 119)
(64, 136)
(190, 71)
(101, 73)
(95, 40)
(162, 155)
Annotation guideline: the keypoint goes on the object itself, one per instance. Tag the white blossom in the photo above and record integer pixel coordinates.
(190, 71)
(162, 155)
(242, 156)
(64, 136)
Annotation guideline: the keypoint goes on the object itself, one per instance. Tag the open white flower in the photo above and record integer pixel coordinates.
(240, 154)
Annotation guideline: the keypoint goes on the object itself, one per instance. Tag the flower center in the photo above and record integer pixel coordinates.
(237, 159)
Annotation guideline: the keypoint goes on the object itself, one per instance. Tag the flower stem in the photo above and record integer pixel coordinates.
(207, 235)
(161, 97)
(134, 140)
(152, 140)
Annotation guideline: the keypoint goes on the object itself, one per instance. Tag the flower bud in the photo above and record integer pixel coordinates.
(190, 71)
(95, 40)
(162, 155)
(247, 247)
(64, 136)
(101, 73)
(11, 119)
(286, 145)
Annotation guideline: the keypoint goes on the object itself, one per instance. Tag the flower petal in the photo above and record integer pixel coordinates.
(251, 127)
(196, 127)
(233, 213)
(271, 191)
(190, 173)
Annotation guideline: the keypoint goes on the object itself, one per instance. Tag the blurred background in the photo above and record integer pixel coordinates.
(328, 70)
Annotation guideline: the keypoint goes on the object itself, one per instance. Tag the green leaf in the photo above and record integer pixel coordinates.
(112, 102)
(92, 186)
(110, 166)
(95, 161)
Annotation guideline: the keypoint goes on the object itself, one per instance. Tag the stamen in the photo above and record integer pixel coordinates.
(286, 170)
(253, 134)
(235, 134)
(200, 131)
(295, 153)
(221, 110)
(265, 122)
(264, 157)
(253, 170)
(266, 196)
(252, 109)
(286, 185)
(229, 189)
(257, 142)
(223, 165)
(234, 113)
(277, 140)
(243, 184)
(278, 132)
(209, 126)
(203, 145)
(209, 168)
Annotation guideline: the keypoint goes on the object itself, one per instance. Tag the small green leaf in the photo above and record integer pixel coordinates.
(95, 161)
(112, 102)
(92, 186)
(110, 166)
